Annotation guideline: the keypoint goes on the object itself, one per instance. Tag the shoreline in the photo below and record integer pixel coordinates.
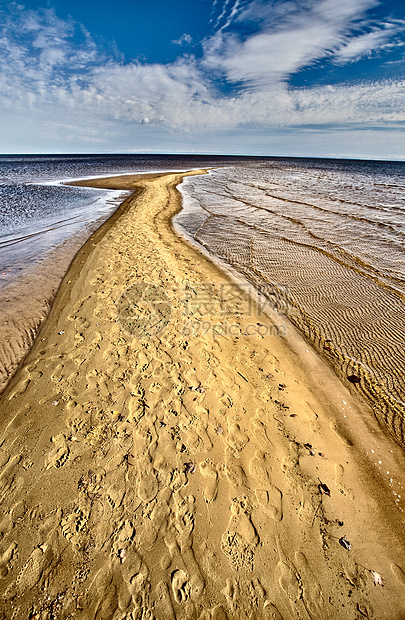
(189, 470)
(366, 359)
(28, 293)
(22, 320)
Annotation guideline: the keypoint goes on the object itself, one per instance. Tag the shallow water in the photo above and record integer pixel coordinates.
(325, 240)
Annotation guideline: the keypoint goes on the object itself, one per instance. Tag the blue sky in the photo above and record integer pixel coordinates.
(268, 77)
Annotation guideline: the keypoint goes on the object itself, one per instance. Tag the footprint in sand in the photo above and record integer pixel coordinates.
(9, 480)
(5, 558)
(241, 522)
(103, 594)
(236, 439)
(203, 435)
(31, 573)
(230, 593)
(239, 554)
(155, 388)
(208, 471)
(158, 369)
(240, 539)
(342, 488)
(228, 379)
(148, 487)
(192, 439)
(235, 475)
(97, 338)
(226, 401)
(210, 361)
(78, 360)
(289, 581)
(312, 417)
(180, 586)
(158, 517)
(184, 513)
(312, 591)
(112, 501)
(19, 388)
(6, 525)
(163, 602)
(218, 613)
(132, 563)
(271, 612)
(74, 523)
(310, 506)
(260, 468)
(124, 536)
(398, 573)
(259, 432)
(289, 468)
(271, 499)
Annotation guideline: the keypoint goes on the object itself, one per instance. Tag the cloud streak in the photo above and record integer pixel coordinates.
(374, 42)
(287, 41)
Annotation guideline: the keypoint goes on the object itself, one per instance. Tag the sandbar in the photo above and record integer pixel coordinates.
(168, 452)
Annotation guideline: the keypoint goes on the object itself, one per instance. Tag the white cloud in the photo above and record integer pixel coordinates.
(223, 12)
(185, 39)
(368, 44)
(102, 99)
(287, 40)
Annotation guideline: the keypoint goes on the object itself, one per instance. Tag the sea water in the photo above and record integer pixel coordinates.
(38, 214)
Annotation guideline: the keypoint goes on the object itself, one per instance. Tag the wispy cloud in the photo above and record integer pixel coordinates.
(370, 43)
(185, 39)
(286, 40)
(223, 11)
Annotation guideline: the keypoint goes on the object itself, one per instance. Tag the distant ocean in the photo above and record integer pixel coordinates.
(323, 239)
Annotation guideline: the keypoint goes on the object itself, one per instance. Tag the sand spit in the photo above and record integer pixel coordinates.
(166, 454)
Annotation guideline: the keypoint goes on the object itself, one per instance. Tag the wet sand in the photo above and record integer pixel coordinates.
(27, 291)
(165, 453)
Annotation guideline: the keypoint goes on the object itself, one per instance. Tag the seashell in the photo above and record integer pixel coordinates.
(190, 467)
(345, 543)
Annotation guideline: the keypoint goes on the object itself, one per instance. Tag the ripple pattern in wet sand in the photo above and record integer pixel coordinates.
(327, 246)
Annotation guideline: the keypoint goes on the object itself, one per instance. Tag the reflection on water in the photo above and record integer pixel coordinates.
(329, 237)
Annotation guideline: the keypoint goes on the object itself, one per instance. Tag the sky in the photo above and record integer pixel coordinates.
(314, 78)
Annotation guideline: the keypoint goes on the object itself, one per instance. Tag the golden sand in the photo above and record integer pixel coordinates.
(189, 466)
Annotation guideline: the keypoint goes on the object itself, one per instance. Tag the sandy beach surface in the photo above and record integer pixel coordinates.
(167, 453)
